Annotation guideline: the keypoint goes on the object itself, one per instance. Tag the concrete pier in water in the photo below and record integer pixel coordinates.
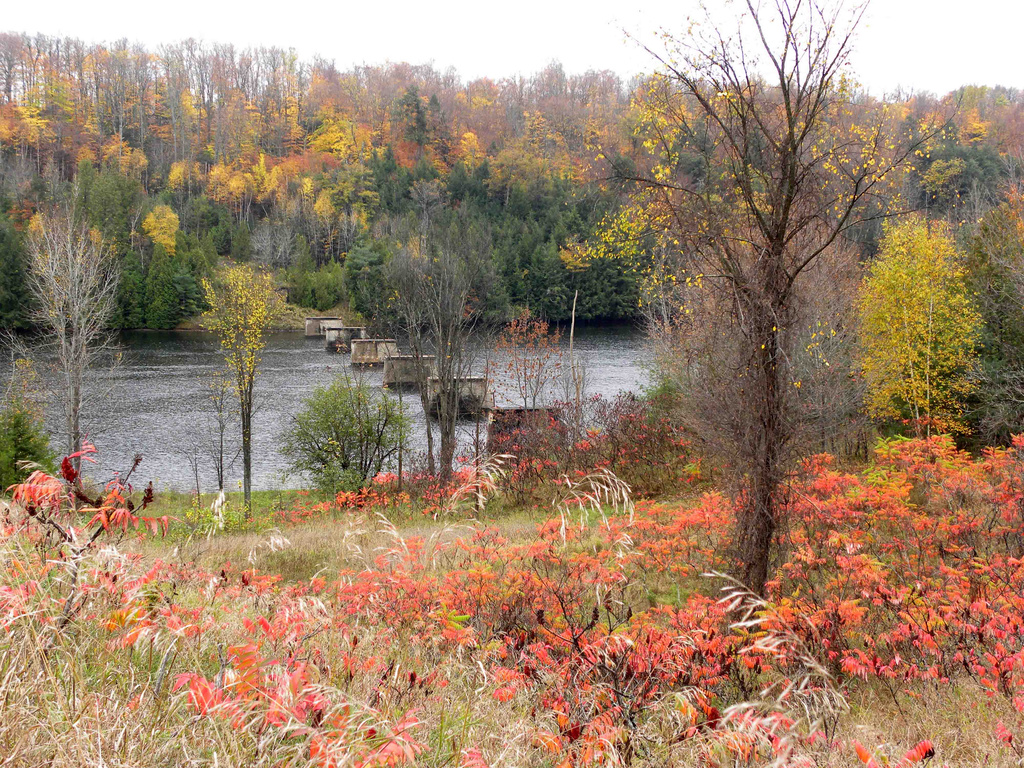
(475, 395)
(407, 370)
(339, 337)
(314, 325)
(372, 351)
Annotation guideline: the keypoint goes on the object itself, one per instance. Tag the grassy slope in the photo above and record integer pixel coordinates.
(960, 721)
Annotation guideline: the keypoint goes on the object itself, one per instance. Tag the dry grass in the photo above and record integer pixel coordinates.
(322, 548)
(960, 720)
(71, 698)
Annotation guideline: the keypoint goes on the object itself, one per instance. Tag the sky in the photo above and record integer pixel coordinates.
(920, 45)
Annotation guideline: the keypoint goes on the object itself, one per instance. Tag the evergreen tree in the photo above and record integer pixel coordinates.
(131, 293)
(241, 243)
(162, 306)
(391, 182)
(221, 237)
(14, 294)
(22, 437)
(112, 205)
(364, 278)
(411, 106)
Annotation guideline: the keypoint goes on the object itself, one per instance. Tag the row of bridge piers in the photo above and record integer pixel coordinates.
(400, 370)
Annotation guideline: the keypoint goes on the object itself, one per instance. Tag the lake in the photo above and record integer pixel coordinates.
(159, 397)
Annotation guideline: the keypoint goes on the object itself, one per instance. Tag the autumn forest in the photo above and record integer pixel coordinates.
(793, 537)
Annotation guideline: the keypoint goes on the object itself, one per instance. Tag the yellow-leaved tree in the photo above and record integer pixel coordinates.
(919, 329)
(243, 307)
(160, 226)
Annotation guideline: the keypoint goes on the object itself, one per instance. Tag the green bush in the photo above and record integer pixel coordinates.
(345, 434)
(319, 289)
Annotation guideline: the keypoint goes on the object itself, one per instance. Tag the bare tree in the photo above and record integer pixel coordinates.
(191, 450)
(575, 383)
(761, 161)
(826, 370)
(428, 196)
(273, 242)
(440, 297)
(11, 47)
(219, 444)
(458, 275)
(74, 284)
(207, 437)
(405, 277)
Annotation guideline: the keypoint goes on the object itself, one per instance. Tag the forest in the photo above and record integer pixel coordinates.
(800, 543)
(311, 171)
(319, 173)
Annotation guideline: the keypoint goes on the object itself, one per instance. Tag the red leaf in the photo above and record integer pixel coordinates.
(67, 470)
(922, 751)
(473, 758)
(865, 757)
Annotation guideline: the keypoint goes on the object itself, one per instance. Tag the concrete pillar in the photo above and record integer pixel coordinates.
(315, 325)
(339, 337)
(403, 371)
(372, 351)
(475, 395)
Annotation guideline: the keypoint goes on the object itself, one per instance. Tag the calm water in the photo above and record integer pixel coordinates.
(158, 400)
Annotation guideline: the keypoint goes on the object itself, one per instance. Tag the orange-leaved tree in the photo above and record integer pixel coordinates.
(533, 359)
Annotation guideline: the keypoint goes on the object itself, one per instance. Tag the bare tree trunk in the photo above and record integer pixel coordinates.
(431, 465)
(759, 513)
(416, 342)
(74, 428)
(74, 285)
(219, 459)
(447, 418)
(246, 409)
(401, 439)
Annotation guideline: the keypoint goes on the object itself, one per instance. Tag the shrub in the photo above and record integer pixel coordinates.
(22, 437)
(628, 435)
(345, 434)
(594, 641)
(319, 289)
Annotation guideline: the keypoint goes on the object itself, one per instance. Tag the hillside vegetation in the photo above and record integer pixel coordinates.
(598, 636)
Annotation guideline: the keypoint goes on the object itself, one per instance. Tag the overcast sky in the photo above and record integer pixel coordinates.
(932, 45)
